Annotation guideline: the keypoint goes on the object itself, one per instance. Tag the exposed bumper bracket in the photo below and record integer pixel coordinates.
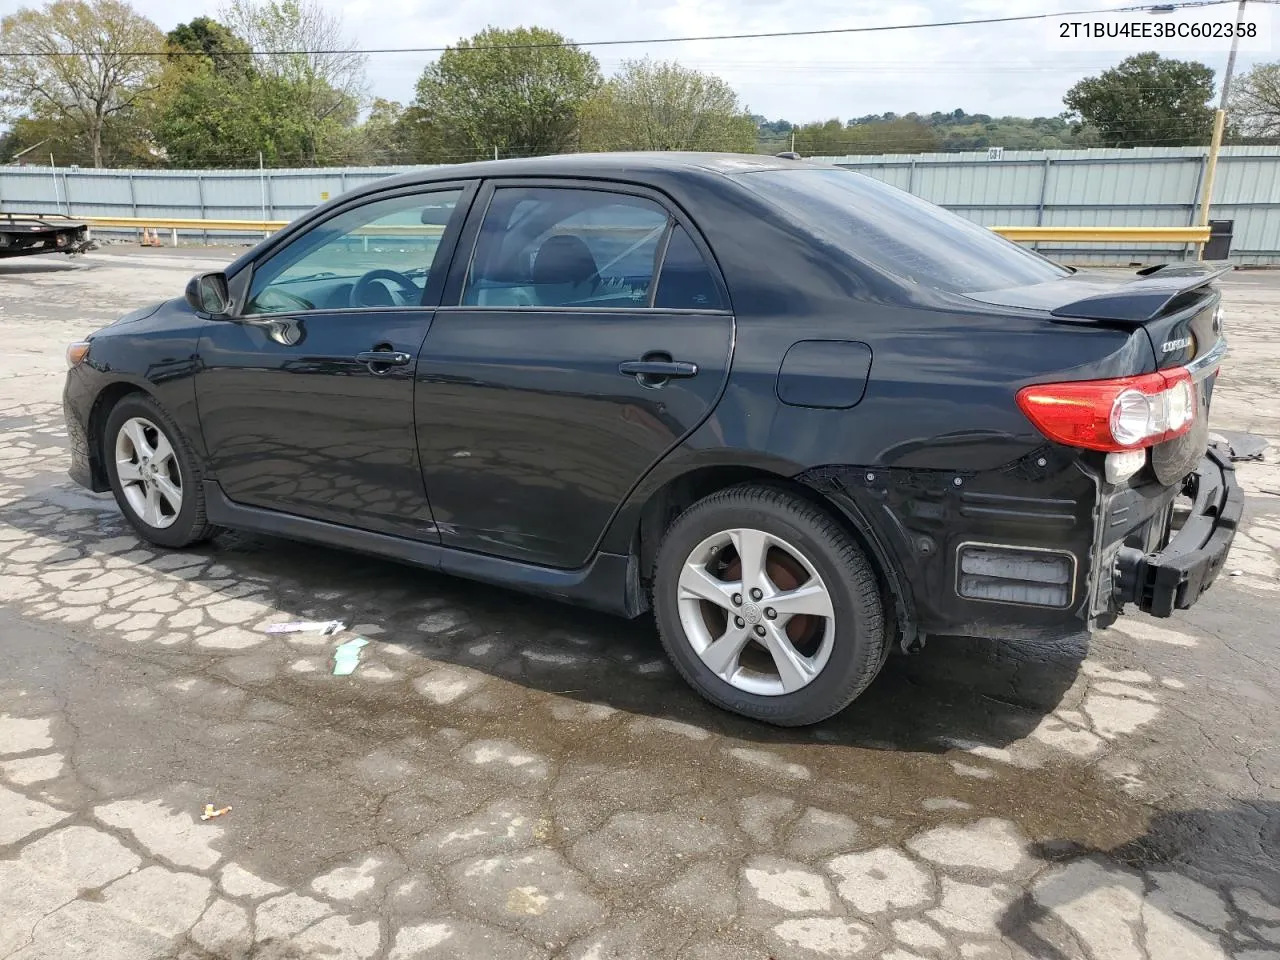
(1174, 578)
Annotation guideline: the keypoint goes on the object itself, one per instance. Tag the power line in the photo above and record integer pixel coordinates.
(833, 31)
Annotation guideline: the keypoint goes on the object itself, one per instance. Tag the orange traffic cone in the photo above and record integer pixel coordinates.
(150, 238)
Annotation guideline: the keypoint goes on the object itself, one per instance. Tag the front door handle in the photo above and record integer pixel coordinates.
(379, 361)
(657, 369)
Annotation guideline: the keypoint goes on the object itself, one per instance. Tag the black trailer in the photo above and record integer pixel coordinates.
(23, 234)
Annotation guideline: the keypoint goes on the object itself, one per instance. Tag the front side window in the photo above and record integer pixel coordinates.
(558, 247)
(379, 254)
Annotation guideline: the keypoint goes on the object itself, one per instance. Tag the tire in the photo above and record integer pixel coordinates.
(839, 655)
(135, 424)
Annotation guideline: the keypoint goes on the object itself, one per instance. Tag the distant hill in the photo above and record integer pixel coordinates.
(923, 133)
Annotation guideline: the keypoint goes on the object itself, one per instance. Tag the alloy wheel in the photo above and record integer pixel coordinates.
(756, 611)
(148, 472)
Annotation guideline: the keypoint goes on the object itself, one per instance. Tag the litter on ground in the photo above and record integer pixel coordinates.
(326, 627)
(347, 657)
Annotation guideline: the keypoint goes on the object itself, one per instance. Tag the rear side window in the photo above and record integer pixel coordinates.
(565, 247)
(686, 282)
(899, 233)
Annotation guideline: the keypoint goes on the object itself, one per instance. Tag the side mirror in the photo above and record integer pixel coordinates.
(208, 293)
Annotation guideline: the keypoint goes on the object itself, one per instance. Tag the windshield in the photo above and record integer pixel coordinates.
(899, 233)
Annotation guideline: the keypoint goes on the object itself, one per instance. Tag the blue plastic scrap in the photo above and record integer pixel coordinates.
(347, 657)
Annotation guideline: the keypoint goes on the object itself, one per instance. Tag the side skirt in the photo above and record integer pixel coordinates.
(608, 583)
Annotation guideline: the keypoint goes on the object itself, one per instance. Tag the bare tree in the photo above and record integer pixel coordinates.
(83, 62)
(1255, 101)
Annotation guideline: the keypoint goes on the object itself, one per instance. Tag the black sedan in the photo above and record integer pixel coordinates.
(798, 414)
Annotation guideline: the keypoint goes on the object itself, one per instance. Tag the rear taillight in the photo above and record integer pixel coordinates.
(1125, 413)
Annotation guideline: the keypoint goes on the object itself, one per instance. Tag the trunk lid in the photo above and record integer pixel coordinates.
(1175, 306)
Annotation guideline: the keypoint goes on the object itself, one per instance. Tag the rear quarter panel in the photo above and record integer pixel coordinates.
(936, 451)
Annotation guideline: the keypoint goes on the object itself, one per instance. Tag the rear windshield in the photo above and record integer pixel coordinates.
(899, 233)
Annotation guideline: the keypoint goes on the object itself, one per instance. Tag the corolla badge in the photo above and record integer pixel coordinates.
(1171, 345)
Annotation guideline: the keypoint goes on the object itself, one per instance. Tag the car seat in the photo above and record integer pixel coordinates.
(564, 270)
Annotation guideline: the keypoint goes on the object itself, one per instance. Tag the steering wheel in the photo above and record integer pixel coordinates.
(368, 284)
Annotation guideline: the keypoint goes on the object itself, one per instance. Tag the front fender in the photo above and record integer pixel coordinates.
(153, 350)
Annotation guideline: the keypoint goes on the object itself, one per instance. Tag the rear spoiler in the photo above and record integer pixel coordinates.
(1144, 299)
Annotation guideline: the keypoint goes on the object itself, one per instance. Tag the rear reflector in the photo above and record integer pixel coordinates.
(1124, 413)
(1007, 574)
(1121, 466)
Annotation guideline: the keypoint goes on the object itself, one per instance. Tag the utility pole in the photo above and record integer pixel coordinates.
(1219, 124)
(1231, 57)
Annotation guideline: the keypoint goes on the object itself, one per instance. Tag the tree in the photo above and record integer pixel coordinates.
(208, 119)
(108, 76)
(213, 107)
(822, 139)
(519, 90)
(126, 141)
(386, 136)
(665, 106)
(302, 53)
(206, 37)
(1255, 102)
(896, 135)
(904, 135)
(1147, 100)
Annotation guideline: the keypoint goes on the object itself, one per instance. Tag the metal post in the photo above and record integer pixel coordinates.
(262, 177)
(204, 215)
(53, 169)
(911, 176)
(1192, 210)
(1044, 193)
(133, 200)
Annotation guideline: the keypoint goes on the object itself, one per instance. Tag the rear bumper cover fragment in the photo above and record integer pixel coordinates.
(1174, 577)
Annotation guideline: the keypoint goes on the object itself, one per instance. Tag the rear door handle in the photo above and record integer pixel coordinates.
(658, 369)
(383, 358)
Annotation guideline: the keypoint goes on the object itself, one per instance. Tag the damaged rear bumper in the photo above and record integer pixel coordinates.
(1174, 577)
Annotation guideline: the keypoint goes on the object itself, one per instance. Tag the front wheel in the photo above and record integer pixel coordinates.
(768, 607)
(154, 474)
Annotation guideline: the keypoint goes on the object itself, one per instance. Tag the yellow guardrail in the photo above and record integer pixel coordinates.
(1026, 234)
(179, 223)
(1106, 234)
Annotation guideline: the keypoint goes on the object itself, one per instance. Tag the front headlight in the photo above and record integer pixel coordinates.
(77, 353)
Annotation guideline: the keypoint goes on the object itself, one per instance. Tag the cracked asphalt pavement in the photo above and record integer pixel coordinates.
(504, 779)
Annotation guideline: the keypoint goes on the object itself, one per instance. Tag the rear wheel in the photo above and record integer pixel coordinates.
(154, 474)
(768, 607)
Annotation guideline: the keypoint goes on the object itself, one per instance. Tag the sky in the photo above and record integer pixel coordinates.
(999, 69)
